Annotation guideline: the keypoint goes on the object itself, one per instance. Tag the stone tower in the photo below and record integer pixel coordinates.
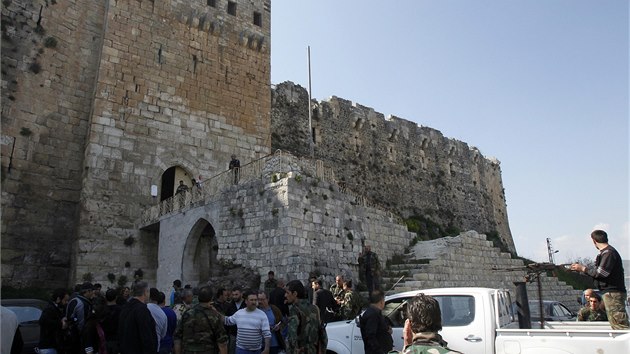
(105, 109)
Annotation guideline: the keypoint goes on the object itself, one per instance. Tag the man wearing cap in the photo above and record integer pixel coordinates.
(77, 311)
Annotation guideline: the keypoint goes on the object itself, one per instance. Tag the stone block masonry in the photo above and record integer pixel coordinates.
(469, 259)
(411, 169)
(49, 66)
(290, 222)
(180, 84)
(99, 99)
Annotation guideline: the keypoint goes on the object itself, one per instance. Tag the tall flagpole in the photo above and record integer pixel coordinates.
(310, 128)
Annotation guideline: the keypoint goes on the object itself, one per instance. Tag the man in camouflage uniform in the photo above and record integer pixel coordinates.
(584, 312)
(352, 303)
(271, 282)
(593, 311)
(369, 268)
(200, 330)
(305, 332)
(609, 278)
(424, 322)
(337, 288)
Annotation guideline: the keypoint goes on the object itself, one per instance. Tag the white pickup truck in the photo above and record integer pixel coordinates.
(480, 321)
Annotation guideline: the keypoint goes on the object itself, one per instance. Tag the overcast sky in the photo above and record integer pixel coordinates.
(542, 85)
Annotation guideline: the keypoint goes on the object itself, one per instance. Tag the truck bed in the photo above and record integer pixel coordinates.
(563, 337)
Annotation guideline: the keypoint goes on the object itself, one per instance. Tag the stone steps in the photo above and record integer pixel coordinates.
(469, 260)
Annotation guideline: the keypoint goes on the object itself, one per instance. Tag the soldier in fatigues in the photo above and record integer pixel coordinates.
(305, 332)
(352, 303)
(424, 321)
(201, 330)
(593, 311)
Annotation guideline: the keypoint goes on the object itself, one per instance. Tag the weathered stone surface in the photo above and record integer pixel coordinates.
(411, 169)
(119, 92)
(470, 260)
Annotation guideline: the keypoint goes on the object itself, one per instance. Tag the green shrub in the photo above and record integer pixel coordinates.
(50, 42)
(122, 281)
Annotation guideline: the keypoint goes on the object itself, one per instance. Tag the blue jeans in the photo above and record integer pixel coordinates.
(47, 351)
(245, 351)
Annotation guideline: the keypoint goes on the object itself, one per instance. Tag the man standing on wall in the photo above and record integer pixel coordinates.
(609, 278)
(182, 188)
(235, 167)
(370, 268)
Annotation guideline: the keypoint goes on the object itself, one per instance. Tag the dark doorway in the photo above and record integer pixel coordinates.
(200, 253)
(168, 181)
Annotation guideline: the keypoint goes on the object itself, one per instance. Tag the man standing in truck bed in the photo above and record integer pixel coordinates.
(608, 277)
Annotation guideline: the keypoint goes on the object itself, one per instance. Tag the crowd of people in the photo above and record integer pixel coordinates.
(289, 318)
(280, 318)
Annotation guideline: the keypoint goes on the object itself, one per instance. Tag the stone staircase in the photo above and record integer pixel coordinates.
(469, 260)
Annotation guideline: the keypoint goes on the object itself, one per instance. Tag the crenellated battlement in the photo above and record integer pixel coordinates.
(406, 166)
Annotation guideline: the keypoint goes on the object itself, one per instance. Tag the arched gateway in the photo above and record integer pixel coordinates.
(200, 253)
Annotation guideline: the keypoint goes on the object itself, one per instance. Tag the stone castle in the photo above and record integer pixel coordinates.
(106, 106)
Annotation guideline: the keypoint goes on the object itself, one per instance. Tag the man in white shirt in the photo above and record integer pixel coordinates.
(161, 322)
(253, 327)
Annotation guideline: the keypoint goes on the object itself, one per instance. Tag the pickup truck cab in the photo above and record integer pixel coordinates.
(479, 321)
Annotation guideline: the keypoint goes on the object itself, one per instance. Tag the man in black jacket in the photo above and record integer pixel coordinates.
(77, 312)
(136, 327)
(52, 322)
(276, 298)
(236, 304)
(609, 278)
(324, 300)
(376, 333)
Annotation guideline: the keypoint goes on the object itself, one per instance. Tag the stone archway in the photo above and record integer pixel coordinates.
(200, 254)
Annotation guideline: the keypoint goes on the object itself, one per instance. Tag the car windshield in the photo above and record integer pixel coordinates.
(457, 310)
(26, 313)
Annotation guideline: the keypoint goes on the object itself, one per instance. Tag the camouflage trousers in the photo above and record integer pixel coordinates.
(616, 309)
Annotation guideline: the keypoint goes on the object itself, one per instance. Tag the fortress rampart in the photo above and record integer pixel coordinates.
(99, 100)
(412, 169)
(106, 104)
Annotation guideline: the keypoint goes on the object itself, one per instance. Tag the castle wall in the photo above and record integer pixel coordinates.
(50, 54)
(180, 84)
(99, 98)
(292, 224)
(411, 169)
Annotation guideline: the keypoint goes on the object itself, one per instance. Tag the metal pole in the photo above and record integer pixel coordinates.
(310, 128)
(540, 302)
